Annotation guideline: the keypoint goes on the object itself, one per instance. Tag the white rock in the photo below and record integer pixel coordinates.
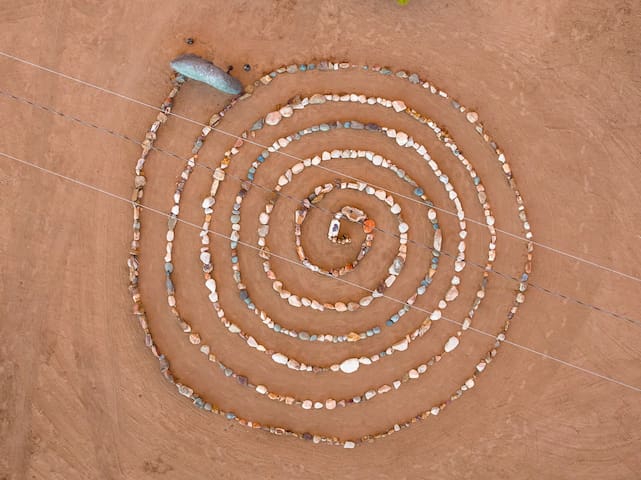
(273, 118)
(262, 389)
(399, 105)
(263, 218)
(208, 202)
(350, 365)
(401, 346)
(438, 240)
(286, 111)
(211, 285)
(219, 174)
(349, 444)
(299, 167)
(205, 257)
(472, 117)
(316, 99)
(451, 344)
(396, 209)
(384, 389)
(280, 358)
(365, 301)
(436, 315)
(451, 294)
(401, 138)
(294, 301)
(403, 227)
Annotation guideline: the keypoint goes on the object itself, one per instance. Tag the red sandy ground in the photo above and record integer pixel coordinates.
(556, 82)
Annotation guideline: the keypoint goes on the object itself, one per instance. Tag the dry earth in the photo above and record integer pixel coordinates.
(558, 85)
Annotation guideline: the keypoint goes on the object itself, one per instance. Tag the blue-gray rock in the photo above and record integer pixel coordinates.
(197, 68)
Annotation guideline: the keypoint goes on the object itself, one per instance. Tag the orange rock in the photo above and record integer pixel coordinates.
(369, 225)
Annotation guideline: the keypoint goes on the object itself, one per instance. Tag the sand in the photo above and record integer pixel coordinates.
(557, 84)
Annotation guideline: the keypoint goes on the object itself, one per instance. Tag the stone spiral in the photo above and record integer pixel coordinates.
(261, 325)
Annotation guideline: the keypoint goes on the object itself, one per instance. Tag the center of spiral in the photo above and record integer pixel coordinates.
(348, 212)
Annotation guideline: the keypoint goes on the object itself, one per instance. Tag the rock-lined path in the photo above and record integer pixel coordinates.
(274, 320)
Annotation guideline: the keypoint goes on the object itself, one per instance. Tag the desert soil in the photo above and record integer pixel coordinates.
(556, 82)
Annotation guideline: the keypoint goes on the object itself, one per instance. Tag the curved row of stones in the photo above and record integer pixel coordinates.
(352, 364)
(299, 216)
(134, 267)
